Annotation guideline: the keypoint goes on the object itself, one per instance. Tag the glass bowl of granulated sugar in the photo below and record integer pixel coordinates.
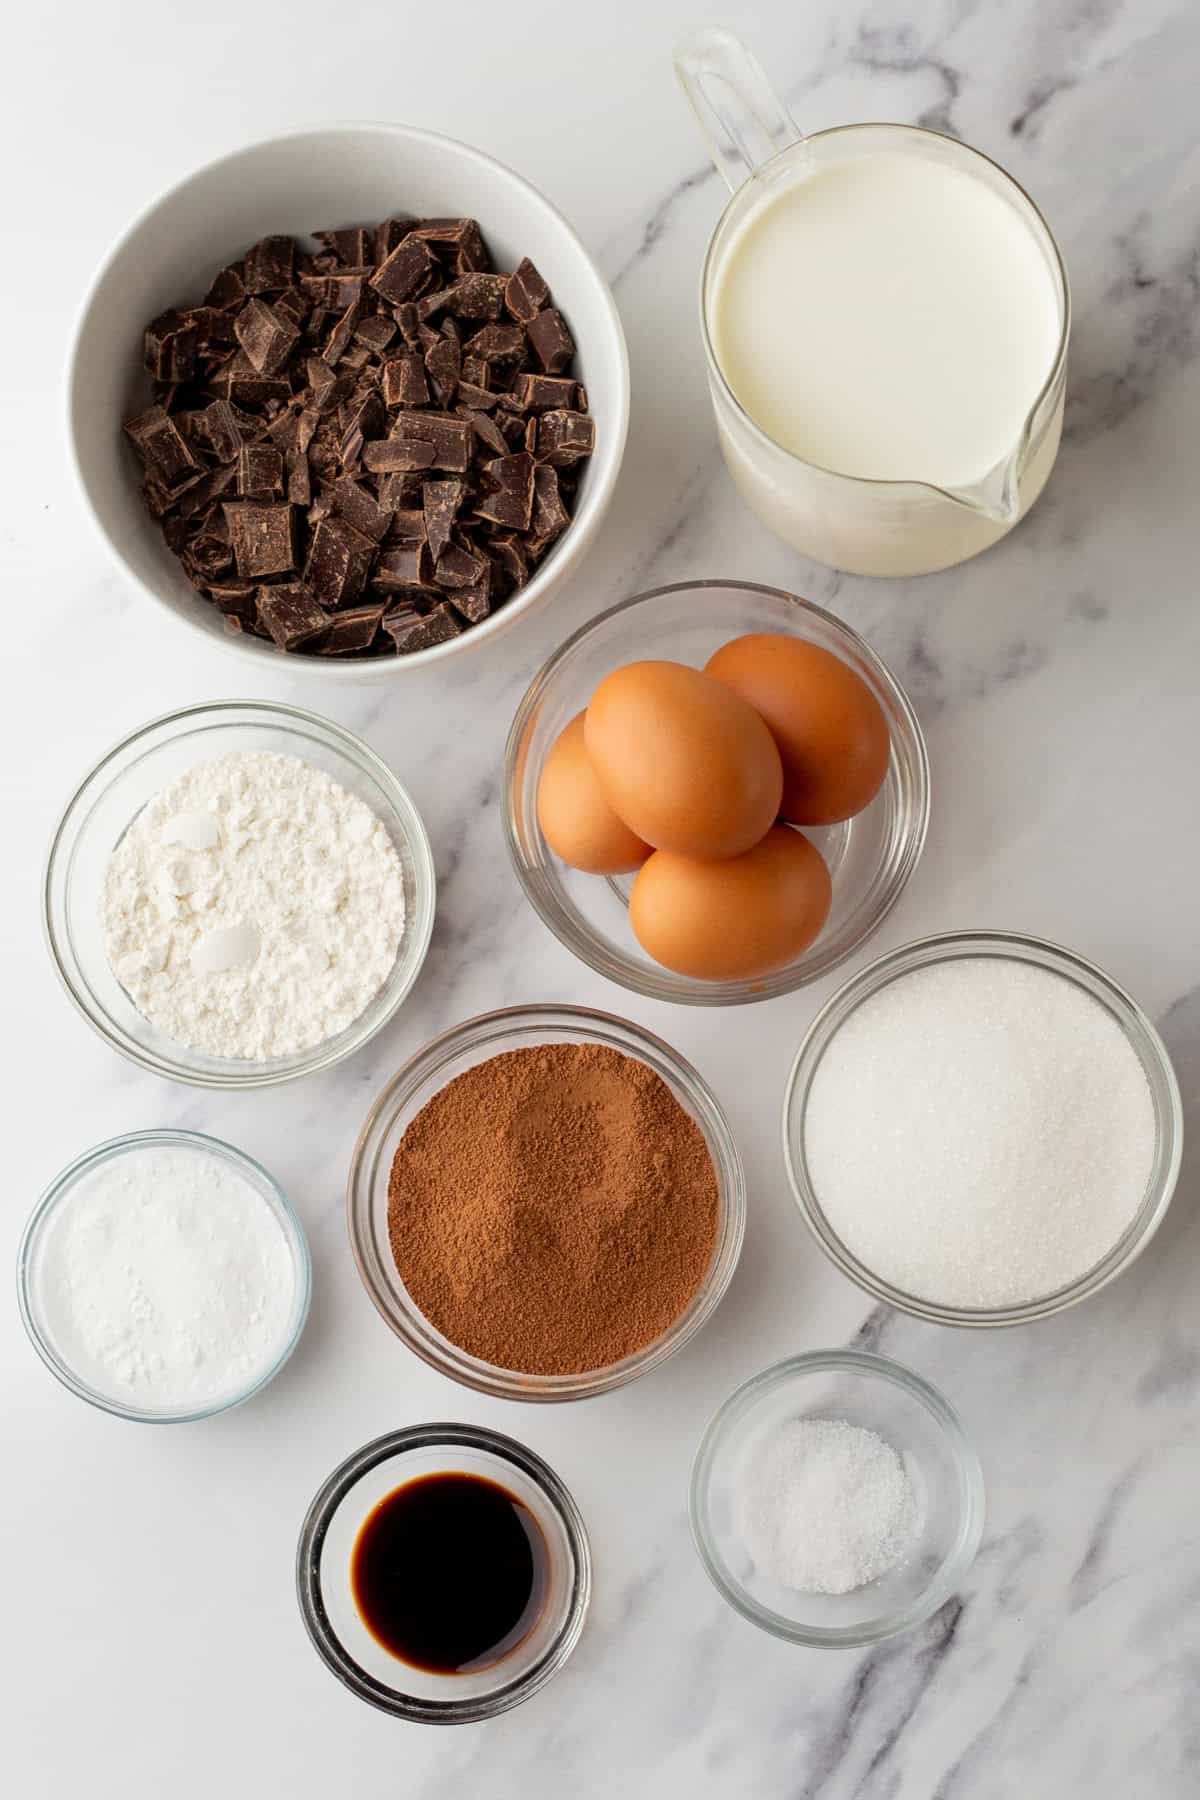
(564, 1194)
(982, 1128)
(238, 894)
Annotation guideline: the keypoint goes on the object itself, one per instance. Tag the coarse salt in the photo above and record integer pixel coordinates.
(824, 1507)
(979, 1133)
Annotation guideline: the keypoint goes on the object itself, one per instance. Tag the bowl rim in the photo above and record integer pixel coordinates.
(1140, 1033)
(680, 990)
(972, 1498)
(585, 521)
(320, 1512)
(58, 1191)
(591, 1025)
(281, 715)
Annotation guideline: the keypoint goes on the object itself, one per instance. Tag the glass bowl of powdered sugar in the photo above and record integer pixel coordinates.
(238, 894)
(835, 1500)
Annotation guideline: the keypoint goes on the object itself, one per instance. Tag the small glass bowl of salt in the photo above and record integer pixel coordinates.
(835, 1500)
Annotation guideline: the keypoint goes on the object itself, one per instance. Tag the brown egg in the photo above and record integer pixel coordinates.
(830, 729)
(686, 763)
(576, 820)
(733, 920)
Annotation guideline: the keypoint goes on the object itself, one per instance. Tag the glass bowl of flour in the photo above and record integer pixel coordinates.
(164, 1277)
(238, 894)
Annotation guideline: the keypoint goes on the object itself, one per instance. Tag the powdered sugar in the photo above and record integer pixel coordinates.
(166, 1282)
(254, 908)
(823, 1506)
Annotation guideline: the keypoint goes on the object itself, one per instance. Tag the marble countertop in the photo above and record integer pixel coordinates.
(152, 1642)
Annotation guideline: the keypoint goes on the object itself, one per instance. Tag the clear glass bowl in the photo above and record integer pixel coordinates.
(439, 1062)
(1143, 1040)
(111, 796)
(870, 857)
(924, 1430)
(36, 1236)
(325, 1551)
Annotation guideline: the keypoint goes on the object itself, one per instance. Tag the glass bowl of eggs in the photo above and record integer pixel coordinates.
(715, 792)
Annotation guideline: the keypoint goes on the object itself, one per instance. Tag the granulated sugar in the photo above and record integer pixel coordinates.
(824, 1506)
(980, 1133)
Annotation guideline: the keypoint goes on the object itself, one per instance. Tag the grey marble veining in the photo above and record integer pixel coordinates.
(152, 1641)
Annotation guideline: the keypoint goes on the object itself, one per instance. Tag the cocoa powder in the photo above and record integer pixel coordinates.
(553, 1209)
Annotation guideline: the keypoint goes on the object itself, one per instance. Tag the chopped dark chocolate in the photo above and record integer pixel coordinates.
(263, 537)
(270, 264)
(354, 629)
(564, 437)
(411, 633)
(441, 501)
(267, 335)
(290, 614)
(385, 413)
(406, 271)
(525, 293)
(404, 381)
(339, 561)
(552, 343)
(259, 472)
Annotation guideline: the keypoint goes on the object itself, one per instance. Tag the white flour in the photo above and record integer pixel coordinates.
(254, 907)
(167, 1283)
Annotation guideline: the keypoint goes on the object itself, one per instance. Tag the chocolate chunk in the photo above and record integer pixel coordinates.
(498, 343)
(263, 538)
(339, 561)
(473, 296)
(525, 293)
(408, 526)
(441, 501)
(552, 343)
(217, 430)
(354, 629)
(400, 490)
(487, 431)
(288, 611)
(512, 502)
(299, 478)
(170, 346)
(476, 371)
(538, 393)
(260, 472)
(228, 288)
(457, 567)
(166, 456)
(443, 361)
(238, 380)
(389, 233)
(416, 633)
(402, 569)
(393, 455)
(375, 332)
(476, 399)
(201, 494)
(270, 264)
(338, 341)
(294, 304)
(352, 244)
(235, 597)
(266, 335)
(406, 318)
(564, 437)
(475, 602)
(357, 356)
(353, 502)
(449, 437)
(404, 381)
(550, 517)
(405, 272)
(508, 554)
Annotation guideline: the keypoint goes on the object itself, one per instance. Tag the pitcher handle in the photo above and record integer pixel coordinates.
(743, 120)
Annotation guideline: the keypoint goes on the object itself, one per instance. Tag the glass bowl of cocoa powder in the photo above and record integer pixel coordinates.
(546, 1202)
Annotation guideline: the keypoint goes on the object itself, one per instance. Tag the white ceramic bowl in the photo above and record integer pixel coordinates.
(314, 177)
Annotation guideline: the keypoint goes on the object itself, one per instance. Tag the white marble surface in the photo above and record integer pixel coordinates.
(151, 1643)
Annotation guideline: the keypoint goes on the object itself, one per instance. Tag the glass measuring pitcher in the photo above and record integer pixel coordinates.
(994, 402)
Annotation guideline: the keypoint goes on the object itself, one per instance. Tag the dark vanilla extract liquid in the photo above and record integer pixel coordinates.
(450, 1572)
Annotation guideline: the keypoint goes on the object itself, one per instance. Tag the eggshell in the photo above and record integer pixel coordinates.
(828, 725)
(733, 920)
(576, 820)
(685, 762)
